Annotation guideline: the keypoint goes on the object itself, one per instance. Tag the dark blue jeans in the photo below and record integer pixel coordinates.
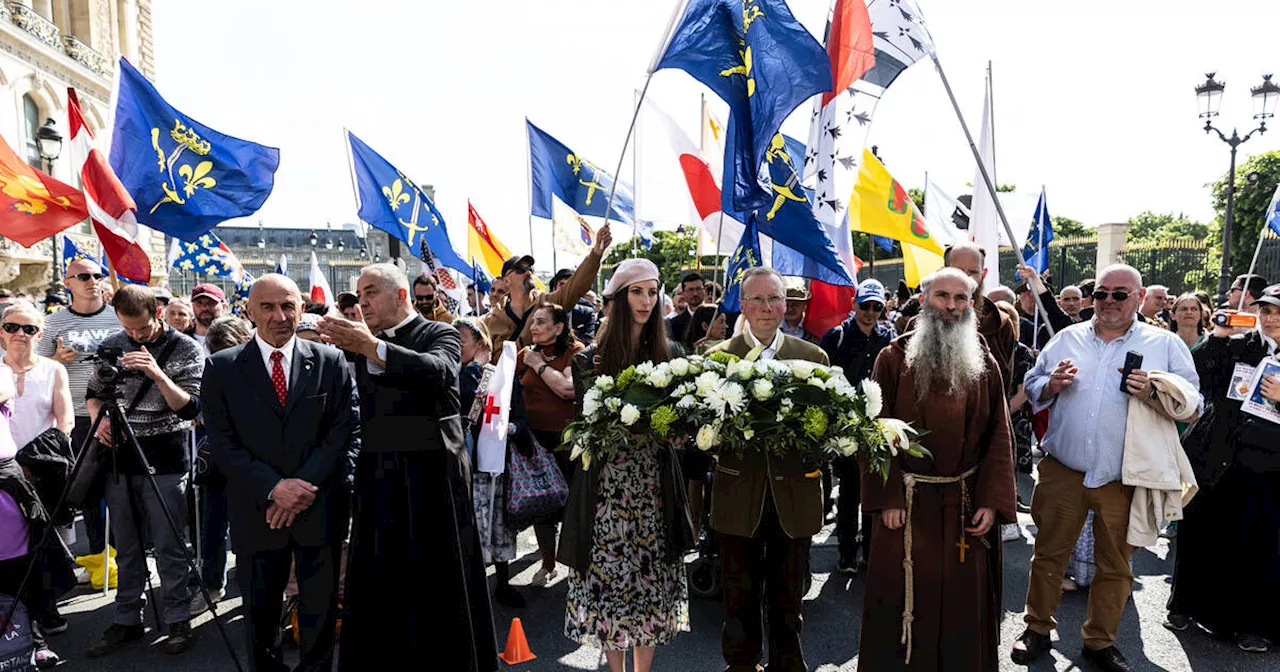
(95, 521)
(213, 535)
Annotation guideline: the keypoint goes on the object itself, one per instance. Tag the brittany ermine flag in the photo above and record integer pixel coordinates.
(111, 208)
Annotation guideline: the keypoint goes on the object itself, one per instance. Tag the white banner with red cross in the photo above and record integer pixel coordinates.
(491, 448)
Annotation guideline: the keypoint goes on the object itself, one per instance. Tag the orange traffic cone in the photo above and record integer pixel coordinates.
(517, 646)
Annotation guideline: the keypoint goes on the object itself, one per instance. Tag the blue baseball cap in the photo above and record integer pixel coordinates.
(870, 290)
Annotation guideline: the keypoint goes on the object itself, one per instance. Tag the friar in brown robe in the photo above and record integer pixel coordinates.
(942, 379)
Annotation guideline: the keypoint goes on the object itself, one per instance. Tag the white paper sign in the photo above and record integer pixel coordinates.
(1255, 403)
(1240, 379)
(491, 448)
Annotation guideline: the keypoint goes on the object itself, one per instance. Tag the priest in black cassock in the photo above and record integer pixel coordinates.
(416, 588)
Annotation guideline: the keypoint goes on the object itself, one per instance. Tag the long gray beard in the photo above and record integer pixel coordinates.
(945, 357)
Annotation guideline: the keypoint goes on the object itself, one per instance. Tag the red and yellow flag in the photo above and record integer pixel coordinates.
(881, 206)
(483, 248)
(33, 205)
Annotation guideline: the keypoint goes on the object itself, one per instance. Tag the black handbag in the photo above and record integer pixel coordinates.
(89, 484)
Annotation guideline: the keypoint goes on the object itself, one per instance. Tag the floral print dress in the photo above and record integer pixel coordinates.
(628, 596)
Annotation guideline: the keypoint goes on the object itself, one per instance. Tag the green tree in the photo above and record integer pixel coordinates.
(1153, 226)
(672, 252)
(1251, 202)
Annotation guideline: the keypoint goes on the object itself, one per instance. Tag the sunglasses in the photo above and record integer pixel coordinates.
(84, 277)
(1118, 295)
(427, 298)
(28, 329)
(871, 306)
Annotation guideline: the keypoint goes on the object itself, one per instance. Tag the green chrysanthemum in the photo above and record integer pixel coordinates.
(625, 378)
(814, 422)
(661, 418)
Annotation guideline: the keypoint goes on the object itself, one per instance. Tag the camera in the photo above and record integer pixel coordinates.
(109, 370)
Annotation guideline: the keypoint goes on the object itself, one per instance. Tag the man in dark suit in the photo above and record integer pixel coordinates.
(281, 418)
(765, 508)
(416, 587)
(694, 291)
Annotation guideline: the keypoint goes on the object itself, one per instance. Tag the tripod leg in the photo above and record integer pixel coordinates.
(106, 550)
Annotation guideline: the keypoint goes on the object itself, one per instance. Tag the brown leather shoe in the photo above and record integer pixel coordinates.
(1029, 646)
(1108, 660)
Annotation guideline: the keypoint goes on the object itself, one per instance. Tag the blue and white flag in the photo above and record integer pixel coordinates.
(555, 170)
(282, 266)
(72, 252)
(644, 231)
(184, 176)
(210, 256)
(392, 202)
(1273, 212)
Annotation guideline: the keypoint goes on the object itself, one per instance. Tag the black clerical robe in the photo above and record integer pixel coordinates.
(416, 587)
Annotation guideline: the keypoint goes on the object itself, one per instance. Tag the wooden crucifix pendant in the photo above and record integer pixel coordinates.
(963, 545)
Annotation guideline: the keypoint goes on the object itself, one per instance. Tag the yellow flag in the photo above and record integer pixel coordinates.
(880, 206)
(483, 248)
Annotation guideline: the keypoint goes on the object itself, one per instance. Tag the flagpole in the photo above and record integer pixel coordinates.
(617, 173)
(1262, 234)
(986, 179)
(355, 190)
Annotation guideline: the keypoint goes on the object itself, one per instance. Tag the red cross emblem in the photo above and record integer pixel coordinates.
(490, 410)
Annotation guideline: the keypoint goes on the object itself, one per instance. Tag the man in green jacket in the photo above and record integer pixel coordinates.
(765, 509)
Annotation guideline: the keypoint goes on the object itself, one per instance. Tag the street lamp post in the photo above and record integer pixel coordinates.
(1209, 96)
(50, 142)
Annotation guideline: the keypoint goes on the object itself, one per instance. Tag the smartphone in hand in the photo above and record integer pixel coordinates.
(1132, 360)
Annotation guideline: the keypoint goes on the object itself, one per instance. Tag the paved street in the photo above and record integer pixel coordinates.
(832, 618)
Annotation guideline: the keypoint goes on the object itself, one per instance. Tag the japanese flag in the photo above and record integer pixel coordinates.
(491, 449)
(320, 291)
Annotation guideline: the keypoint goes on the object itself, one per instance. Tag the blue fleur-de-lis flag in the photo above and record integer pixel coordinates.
(184, 176)
(1036, 249)
(72, 252)
(556, 170)
(745, 256)
(392, 202)
(759, 60)
(210, 256)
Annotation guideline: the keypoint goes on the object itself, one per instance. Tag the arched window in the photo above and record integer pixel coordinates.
(31, 121)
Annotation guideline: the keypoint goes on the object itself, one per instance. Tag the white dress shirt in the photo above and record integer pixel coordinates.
(374, 367)
(1271, 345)
(286, 361)
(771, 350)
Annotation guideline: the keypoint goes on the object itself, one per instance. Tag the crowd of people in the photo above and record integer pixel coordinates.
(333, 450)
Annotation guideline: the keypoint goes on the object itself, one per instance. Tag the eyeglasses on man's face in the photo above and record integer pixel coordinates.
(760, 300)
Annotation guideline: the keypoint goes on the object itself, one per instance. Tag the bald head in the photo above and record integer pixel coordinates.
(275, 306)
(1120, 275)
(1002, 293)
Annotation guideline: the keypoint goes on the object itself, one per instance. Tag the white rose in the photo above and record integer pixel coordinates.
(695, 367)
(612, 403)
(659, 378)
(773, 367)
(644, 369)
(875, 397)
(604, 383)
(740, 370)
(707, 382)
(707, 437)
(680, 366)
(629, 415)
(687, 401)
(802, 369)
(847, 446)
(762, 389)
(817, 382)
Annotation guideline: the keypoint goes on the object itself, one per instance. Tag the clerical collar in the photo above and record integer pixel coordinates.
(754, 342)
(391, 333)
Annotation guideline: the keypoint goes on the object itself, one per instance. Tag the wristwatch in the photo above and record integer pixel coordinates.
(542, 368)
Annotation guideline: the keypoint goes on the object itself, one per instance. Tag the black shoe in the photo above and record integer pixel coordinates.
(1177, 622)
(1023, 508)
(53, 624)
(847, 566)
(1253, 643)
(1108, 660)
(509, 597)
(180, 637)
(115, 637)
(1029, 646)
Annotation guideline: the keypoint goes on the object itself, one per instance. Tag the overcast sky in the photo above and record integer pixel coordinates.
(1093, 98)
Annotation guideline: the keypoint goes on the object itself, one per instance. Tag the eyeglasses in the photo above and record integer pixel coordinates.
(424, 298)
(759, 300)
(1118, 295)
(84, 277)
(871, 306)
(28, 329)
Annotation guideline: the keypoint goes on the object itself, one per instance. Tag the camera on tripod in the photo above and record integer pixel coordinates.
(110, 371)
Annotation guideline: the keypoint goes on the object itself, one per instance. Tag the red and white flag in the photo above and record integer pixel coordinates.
(320, 292)
(491, 446)
(111, 208)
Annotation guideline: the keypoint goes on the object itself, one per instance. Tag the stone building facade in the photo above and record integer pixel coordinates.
(46, 46)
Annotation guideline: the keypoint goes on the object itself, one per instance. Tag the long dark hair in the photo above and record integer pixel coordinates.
(705, 314)
(617, 348)
(1200, 324)
(558, 316)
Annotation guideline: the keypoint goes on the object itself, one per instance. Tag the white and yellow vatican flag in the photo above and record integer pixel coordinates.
(491, 448)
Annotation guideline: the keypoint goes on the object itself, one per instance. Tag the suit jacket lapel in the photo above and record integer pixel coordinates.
(256, 374)
(738, 346)
(299, 371)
